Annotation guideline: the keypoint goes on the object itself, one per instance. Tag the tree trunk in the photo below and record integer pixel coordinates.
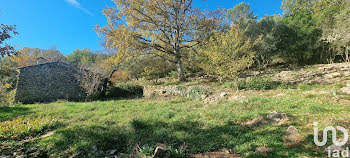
(180, 70)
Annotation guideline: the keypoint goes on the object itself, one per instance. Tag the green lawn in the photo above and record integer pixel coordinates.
(186, 126)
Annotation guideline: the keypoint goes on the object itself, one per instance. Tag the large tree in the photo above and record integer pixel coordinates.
(240, 14)
(299, 33)
(83, 58)
(166, 27)
(341, 34)
(6, 32)
(32, 56)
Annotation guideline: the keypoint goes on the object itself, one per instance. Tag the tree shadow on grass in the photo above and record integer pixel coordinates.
(192, 135)
(9, 113)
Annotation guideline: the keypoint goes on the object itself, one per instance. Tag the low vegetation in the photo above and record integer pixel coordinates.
(21, 127)
(134, 127)
(219, 60)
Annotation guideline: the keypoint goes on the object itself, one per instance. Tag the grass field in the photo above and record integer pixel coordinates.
(186, 126)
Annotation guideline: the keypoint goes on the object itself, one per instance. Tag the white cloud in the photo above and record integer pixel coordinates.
(76, 4)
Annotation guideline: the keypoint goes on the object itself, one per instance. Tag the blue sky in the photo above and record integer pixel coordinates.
(68, 24)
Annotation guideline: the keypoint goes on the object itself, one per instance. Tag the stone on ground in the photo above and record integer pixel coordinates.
(223, 94)
(274, 118)
(160, 151)
(346, 89)
(292, 136)
(262, 150)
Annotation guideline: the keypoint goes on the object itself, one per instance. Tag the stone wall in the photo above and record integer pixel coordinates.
(327, 73)
(194, 92)
(53, 81)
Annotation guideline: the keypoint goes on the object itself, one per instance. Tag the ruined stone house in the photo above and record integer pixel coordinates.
(56, 81)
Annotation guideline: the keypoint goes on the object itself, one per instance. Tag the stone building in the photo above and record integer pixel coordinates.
(54, 81)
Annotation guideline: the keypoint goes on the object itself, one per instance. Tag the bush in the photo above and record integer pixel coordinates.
(257, 83)
(124, 91)
(197, 93)
(228, 53)
(7, 97)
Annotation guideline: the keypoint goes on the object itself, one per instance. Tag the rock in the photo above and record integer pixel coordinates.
(210, 100)
(346, 73)
(112, 152)
(262, 150)
(223, 94)
(292, 136)
(345, 90)
(274, 118)
(286, 76)
(332, 75)
(160, 151)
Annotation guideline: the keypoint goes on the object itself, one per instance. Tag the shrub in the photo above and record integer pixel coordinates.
(197, 93)
(7, 97)
(125, 91)
(228, 53)
(21, 127)
(257, 83)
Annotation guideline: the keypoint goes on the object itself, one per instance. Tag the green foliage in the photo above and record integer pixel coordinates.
(138, 26)
(83, 58)
(6, 32)
(124, 91)
(185, 126)
(228, 53)
(21, 127)
(7, 97)
(181, 88)
(286, 86)
(266, 50)
(257, 83)
(8, 79)
(197, 93)
(150, 67)
(33, 56)
(240, 14)
(311, 32)
(299, 38)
